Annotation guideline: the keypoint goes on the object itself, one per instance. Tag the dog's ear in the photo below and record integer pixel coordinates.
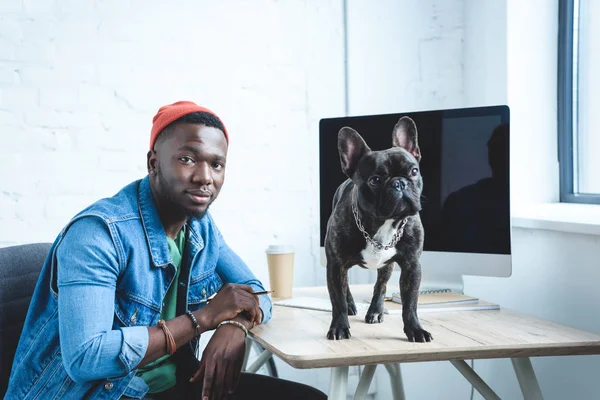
(352, 148)
(405, 136)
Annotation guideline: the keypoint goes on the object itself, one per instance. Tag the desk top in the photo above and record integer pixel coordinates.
(297, 336)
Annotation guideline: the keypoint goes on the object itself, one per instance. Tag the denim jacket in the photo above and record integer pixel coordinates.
(102, 285)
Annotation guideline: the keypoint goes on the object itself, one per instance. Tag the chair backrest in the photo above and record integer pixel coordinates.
(20, 267)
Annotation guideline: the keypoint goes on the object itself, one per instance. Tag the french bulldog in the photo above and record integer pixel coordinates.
(375, 224)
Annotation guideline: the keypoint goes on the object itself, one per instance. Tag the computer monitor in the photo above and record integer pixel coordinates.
(466, 195)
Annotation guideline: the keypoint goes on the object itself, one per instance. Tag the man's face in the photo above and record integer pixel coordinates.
(190, 169)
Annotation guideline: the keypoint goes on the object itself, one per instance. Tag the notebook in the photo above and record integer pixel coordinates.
(435, 297)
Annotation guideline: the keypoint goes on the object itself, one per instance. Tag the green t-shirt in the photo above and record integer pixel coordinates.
(160, 374)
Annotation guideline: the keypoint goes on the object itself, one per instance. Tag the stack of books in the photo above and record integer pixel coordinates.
(439, 300)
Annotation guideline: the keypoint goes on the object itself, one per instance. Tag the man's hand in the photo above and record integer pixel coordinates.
(221, 362)
(228, 303)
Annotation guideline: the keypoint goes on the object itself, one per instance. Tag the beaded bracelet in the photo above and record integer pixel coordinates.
(234, 323)
(194, 321)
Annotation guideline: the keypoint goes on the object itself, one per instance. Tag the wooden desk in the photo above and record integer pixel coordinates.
(297, 336)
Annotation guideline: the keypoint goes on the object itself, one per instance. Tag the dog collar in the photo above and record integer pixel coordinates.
(377, 246)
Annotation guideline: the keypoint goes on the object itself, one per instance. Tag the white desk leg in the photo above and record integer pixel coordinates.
(247, 353)
(527, 380)
(396, 380)
(259, 362)
(475, 380)
(364, 382)
(338, 383)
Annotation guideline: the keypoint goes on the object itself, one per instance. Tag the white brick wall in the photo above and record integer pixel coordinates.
(81, 80)
(405, 55)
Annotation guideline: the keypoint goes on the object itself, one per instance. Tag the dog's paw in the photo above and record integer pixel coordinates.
(417, 334)
(374, 314)
(338, 332)
(374, 317)
(352, 308)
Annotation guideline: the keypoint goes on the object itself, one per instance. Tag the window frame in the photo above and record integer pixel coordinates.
(566, 113)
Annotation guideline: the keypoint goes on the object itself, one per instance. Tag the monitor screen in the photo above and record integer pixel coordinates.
(465, 170)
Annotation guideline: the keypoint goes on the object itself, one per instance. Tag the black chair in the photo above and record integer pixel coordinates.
(20, 267)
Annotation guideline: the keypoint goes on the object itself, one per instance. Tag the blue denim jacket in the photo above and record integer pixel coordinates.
(102, 284)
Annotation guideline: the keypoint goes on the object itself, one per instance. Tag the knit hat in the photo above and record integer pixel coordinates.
(169, 113)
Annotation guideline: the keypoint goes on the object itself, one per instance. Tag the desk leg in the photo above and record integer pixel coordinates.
(364, 382)
(527, 380)
(247, 353)
(396, 380)
(475, 380)
(338, 383)
(259, 362)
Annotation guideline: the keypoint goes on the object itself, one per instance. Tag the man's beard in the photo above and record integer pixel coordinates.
(169, 202)
(193, 214)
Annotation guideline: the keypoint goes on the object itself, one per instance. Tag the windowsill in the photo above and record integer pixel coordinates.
(562, 217)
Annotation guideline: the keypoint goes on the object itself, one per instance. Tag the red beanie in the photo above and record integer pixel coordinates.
(172, 112)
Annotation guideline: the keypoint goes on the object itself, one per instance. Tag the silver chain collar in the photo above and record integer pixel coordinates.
(377, 246)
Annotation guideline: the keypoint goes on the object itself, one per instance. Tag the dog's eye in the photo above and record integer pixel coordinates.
(414, 172)
(375, 180)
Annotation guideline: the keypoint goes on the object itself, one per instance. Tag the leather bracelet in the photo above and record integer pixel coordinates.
(236, 324)
(171, 345)
(194, 321)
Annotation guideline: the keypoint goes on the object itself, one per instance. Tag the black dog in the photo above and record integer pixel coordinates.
(375, 223)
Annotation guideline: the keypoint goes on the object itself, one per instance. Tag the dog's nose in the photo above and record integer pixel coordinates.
(399, 184)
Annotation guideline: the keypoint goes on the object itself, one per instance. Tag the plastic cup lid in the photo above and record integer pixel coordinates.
(280, 249)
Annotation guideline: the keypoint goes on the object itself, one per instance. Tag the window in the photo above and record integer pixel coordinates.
(579, 100)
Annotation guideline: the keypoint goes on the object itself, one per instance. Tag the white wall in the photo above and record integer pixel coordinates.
(404, 56)
(81, 81)
(484, 72)
(532, 34)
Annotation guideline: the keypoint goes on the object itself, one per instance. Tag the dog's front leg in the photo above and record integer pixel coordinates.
(410, 280)
(337, 283)
(375, 313)
(350, 301)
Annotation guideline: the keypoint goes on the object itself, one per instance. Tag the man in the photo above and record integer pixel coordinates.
(123, 295)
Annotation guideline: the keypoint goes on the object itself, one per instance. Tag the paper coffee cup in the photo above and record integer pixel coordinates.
(280, 259)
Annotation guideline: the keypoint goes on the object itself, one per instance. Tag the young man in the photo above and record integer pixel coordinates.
(123, 295)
